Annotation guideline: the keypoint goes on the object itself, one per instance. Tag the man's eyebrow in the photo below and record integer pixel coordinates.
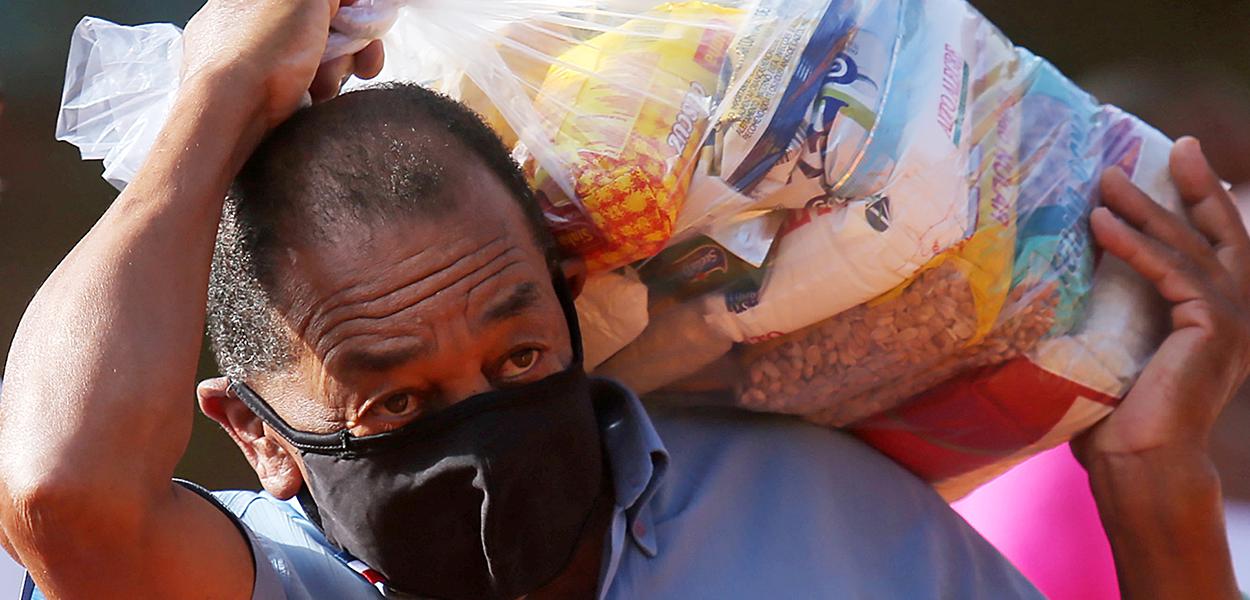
(523, 297)
(384, 360)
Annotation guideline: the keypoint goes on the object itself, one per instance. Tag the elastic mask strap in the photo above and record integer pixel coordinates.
(304, 441)
(565, 295)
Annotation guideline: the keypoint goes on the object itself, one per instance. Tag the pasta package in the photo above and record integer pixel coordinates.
(632, 112)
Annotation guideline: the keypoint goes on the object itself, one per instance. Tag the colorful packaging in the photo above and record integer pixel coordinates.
(628, 142)
(978, 425)
(878, 209)
(1106, 329)
(935, 287)
(777, 75)
(1014, 340)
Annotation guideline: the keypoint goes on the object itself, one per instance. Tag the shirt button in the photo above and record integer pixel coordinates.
(640, 529)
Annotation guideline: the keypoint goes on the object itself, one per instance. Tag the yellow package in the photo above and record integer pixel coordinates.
(629, 109)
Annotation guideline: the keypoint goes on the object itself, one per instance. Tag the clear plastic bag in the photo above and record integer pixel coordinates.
(119, 87)
(610, 103)
(1009, 341)
(876, 209)
(933, 285)
(121, 81)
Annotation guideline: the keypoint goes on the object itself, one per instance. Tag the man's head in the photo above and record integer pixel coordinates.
(380, 257)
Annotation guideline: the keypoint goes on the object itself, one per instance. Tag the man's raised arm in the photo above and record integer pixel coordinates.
(97, 400)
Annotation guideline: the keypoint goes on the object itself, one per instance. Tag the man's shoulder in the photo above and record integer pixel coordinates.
(290, 550)
(293, 561)
(840, 519)
(756, 460)
(701, 437)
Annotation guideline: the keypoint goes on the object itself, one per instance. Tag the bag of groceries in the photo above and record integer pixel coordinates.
(871, 214)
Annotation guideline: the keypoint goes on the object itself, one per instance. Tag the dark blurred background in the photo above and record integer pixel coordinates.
(1152, 56)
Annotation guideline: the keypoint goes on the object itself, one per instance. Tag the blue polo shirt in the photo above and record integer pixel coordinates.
(713, 503)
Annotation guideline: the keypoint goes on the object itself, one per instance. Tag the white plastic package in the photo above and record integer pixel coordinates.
(612, 311)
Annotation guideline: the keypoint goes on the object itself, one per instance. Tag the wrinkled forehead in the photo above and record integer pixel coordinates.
(380, 287)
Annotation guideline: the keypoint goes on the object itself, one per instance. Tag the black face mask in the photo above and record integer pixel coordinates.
(488, 498)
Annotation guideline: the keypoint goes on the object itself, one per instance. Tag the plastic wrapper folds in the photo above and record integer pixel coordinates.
(119, 88)
(874, 211)
(121, 81)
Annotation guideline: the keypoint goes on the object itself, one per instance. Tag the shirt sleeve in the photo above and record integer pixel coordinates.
(29, 591)
(267, 585)
(293, 559)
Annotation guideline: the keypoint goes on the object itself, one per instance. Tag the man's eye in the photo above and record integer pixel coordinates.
(519, 363)
(397, 405)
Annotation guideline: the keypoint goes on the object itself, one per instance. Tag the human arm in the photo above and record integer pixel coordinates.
(1149, 467)
(96, 408)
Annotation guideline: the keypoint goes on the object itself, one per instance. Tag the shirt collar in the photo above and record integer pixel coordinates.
(637, 457)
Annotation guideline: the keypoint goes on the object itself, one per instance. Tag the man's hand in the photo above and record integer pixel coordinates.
(272, 49)
(1201, 265)
(1152, 477)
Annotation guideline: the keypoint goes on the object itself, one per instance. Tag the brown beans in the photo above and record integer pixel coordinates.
(875, 357)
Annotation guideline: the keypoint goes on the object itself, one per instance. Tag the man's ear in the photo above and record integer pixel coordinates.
(275, 463)
(574, 270)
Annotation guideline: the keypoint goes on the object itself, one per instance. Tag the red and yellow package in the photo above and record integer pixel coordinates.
(629, 109)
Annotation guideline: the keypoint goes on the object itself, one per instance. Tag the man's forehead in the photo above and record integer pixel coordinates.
(458, 252)
(363, 334)
(513, 301)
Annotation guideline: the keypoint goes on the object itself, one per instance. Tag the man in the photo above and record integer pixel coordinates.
(405, 379)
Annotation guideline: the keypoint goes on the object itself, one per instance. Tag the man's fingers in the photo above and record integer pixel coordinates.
(330, 76)
(1139, 210)
(1210, 206)
(365, 64)
(369, 61)
(1170, 272)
